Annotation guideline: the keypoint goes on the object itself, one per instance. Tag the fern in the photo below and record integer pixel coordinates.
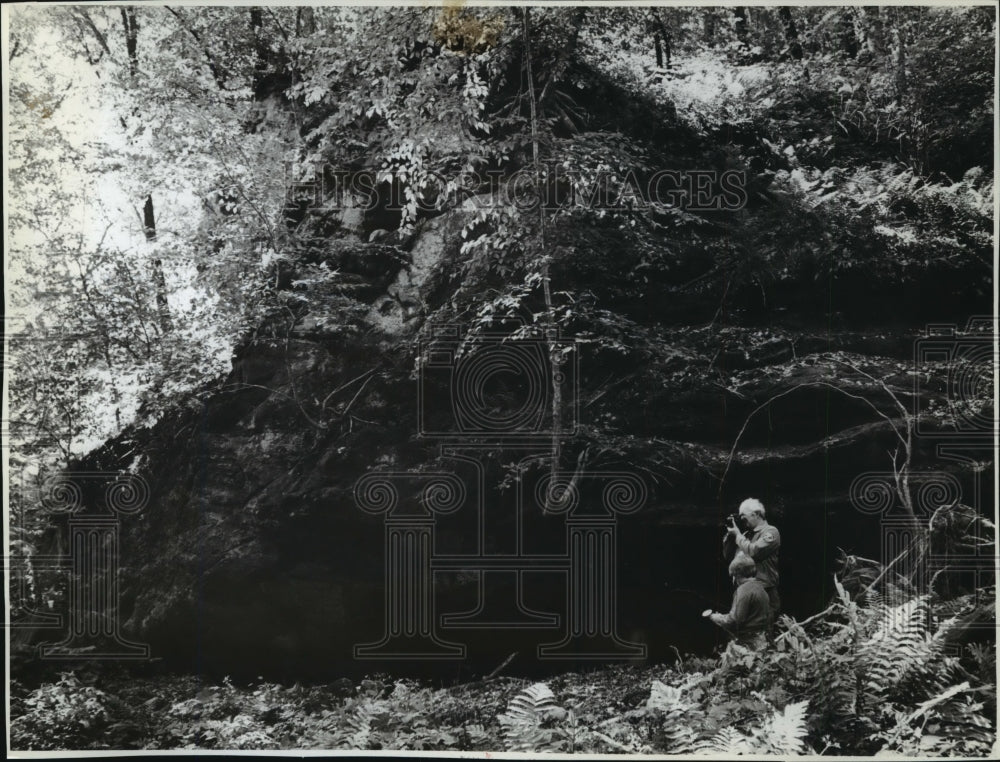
(727, 741)
(531, 705)
(824, 668)
(675, 734)
(874, 600)
(949, 724)
(960, 727)
(783, 732)
(522, 722)
(356, 730)
(901, 648)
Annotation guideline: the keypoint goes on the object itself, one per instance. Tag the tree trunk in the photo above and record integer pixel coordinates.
(217, 73)
(131, 24)
(131, 27)
(305, 21)
(708, 27)
(662, 36)
(899, 51)
(874, 33)
(741, 23)
(792, 44)
(848, 38)
(159, 280)
(262, 53)
(553, 501)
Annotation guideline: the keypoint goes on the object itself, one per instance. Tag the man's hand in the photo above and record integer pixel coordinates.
(732, 529)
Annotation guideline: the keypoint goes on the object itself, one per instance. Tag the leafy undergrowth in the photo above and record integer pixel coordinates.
(861, 678)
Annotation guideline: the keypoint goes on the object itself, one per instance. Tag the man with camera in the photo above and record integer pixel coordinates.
(761, 543)
(750, 614)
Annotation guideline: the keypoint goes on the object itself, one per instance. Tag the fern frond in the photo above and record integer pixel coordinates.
(874, 600)
(666, 698)
(963, 721)
(359, 726)
(900, 648)
(905, 619)
(727, 741)
(836, 691)
(783, 732)
(531, 704)
(675, 734)
(616, 744)
(949, 724)
(522, 722)
(939, 699)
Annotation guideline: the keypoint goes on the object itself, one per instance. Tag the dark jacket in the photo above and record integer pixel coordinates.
(750, 613)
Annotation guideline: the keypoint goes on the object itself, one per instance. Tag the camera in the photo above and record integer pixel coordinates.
(497, 385)
(968, 361)
(732, 518)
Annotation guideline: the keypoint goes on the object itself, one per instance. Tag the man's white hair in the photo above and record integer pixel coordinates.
(752, 505)
(742, 566)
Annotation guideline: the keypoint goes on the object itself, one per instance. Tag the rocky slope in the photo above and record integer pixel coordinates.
(253, 553)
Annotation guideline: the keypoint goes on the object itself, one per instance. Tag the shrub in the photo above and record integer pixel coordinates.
(65, 714)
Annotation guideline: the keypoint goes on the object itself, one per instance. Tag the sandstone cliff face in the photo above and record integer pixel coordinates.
(254, 553)
(254, 550)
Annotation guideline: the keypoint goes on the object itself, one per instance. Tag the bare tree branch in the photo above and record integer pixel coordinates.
(905, 436)
(82, 17)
